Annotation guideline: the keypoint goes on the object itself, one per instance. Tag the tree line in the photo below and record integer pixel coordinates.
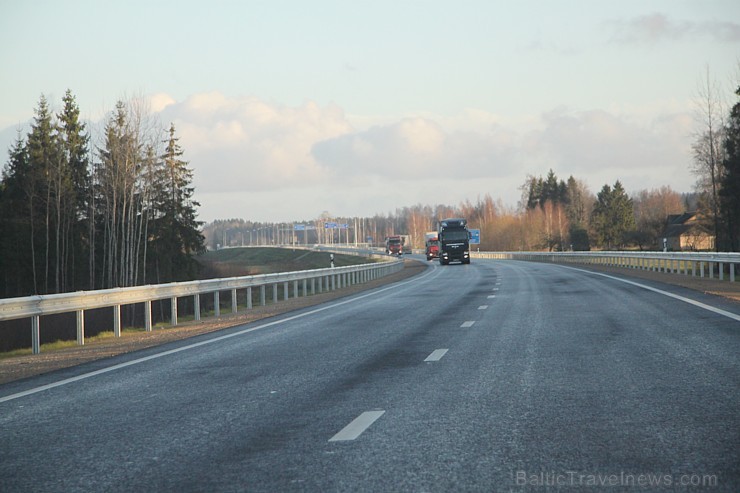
(78, 215)
(552, 214)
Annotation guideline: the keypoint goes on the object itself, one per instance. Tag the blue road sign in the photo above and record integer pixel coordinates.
(475, 236)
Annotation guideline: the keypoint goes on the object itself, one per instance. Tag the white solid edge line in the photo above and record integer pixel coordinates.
(203, 343)
(436, 355)
(699, 304)
(357, 426)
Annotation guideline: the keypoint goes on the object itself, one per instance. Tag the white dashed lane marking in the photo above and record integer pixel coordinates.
(357, 426)
(469, 323)
(482, 307)
(436, 355)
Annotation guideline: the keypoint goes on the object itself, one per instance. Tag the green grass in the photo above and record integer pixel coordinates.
(267, 260)
(59, 344)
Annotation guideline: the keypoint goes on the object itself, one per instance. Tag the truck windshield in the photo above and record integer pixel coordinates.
(455, 235)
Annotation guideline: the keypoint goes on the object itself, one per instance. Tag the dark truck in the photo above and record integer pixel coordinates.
(454, 241)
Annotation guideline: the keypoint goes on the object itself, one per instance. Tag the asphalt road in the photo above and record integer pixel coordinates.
(493, 376)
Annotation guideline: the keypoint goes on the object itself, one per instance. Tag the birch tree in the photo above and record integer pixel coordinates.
(121, 189)
(707, 147)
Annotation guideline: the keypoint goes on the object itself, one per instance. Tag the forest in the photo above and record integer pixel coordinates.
(554, 215)
(78, 215)
(74, 217)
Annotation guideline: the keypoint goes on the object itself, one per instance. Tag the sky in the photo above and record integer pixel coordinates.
(287, 110)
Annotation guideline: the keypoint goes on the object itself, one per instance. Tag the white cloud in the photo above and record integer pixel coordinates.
(159, 101)
(265, 161)
(601, 147)
(656, 27)
(418, 148)
(261, 160)
(246, 144)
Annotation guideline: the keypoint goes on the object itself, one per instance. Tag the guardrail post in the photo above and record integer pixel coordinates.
(173, 311)
(216, 304)
(249, 298)
(35, 335)
(80, 327)
(234, 303)
(295, 288)
(285, 290)
(732, 272)
(274, 293)
(148, 315)
(721, 271)
(196, 308)
(117, 320)
(263, 301)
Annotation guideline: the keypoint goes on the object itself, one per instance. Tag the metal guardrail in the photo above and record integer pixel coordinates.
(318, 280)
(703, 264)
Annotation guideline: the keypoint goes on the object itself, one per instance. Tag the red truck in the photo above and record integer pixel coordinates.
(431, 242)
(393, 245)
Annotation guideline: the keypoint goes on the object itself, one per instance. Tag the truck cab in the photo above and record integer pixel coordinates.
(454, 241)
(393, 245)
(431, 245)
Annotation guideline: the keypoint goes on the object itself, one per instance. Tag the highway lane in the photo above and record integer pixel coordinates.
(493, 376)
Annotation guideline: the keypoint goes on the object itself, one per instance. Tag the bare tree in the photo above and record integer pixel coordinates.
(652, 208)
(123, 186)
(707, 148)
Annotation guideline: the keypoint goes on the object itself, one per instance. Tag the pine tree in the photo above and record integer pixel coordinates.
(613, 216)
(16, 197)
(729, 195)
(45, 181)
(175, 230)
(74, 182)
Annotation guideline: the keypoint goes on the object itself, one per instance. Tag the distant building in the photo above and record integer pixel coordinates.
(687, 232)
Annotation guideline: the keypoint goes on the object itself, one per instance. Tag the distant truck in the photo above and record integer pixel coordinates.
(431, 245)
(406, 244)
(454, 241)
(393, 245)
